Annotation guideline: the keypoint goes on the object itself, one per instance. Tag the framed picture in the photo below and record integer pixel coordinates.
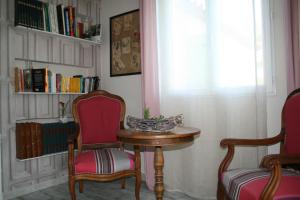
(125, 46)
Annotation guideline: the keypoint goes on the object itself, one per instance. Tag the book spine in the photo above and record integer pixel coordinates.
(52, 18)
(44, 17)
(53, 82)
(71, 21)
(41, 16)
(55, 19)
(47, 17)
(45, 138)
(27, 11)
(38, 128)
(30, 14)
(17, 80)
(59, 19)
(34, 14)
(67, 28)
(28, 141)
(17, 12)
(38, 80)
(33, 139)
(58, 82)
(21, 81)
(63, 19)
(74, 22)
(27, 80)
(20, 141)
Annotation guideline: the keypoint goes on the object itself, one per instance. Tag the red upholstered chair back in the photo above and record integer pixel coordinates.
(291, 123)
(100, 115)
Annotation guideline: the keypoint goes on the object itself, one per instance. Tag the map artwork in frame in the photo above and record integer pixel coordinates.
(125, 46)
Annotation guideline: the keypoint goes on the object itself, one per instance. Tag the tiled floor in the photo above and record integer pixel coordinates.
(100, 191)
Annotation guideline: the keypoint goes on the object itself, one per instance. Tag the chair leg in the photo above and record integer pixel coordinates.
(81, 186)
(72, 188)
(137, 186)
(220, 191)
(123, 182)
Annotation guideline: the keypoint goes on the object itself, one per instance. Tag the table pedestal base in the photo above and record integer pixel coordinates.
(159, 175)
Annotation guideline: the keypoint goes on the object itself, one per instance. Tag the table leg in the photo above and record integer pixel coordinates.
(138, 171)
(159, 175)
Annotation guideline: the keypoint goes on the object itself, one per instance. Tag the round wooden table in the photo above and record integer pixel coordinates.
(178, 135)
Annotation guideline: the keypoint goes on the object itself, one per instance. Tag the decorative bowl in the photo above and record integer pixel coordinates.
(154, 124)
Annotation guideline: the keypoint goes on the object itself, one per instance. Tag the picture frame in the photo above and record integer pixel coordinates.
(125, 45)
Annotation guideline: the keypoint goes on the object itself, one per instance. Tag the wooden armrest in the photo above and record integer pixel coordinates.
(269, 160)
(230, 143)
(251, 142)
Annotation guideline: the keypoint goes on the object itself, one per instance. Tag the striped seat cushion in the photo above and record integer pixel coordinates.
(248, 184)
(103, 161)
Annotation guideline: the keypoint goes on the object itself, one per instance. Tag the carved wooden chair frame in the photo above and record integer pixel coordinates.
(72, 139)
(272, 162)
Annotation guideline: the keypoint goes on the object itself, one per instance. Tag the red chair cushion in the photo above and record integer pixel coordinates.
(99, 119)
(292, 126)
(248, 184)
(103, 161)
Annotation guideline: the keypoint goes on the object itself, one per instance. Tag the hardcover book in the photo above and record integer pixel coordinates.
(27, 80)
(39, 142)
(60, 18)
(20, 141)
(38, 80)
(17, 80)
(33, 133)
(28, 140)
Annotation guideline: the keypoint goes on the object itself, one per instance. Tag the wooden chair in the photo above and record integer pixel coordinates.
(270, 180)
(100, 157)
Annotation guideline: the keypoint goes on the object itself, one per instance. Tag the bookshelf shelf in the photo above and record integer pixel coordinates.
(23, 28)
(49, 93)
(52, 63)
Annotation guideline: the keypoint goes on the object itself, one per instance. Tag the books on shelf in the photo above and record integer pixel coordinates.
(35, 139)
(55, 136)
(52, 18)
(28, 140)
(44, 80)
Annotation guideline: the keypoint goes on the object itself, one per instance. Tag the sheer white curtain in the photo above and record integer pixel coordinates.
(212, 71)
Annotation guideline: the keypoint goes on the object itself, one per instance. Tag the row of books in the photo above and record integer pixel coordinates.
(43, 80)
(28, 140)
(55, 136)
(48, 17)
(35, 139)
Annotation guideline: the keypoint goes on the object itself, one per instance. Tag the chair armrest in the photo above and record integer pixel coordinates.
(251, 142)
(230, 143)
(269, 160)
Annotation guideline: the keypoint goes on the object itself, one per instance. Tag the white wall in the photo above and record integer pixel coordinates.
(280, 62)
(129, 87)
